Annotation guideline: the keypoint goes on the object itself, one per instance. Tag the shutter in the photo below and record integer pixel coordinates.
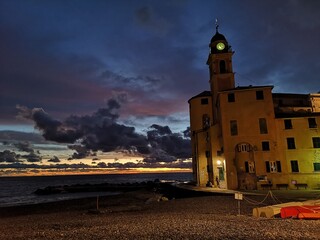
(267, 166)
(278, 166)
(246, 165)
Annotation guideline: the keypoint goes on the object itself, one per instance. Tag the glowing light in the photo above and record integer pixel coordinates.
(219, 162)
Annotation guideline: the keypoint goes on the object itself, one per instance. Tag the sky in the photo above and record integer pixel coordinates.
(103, 86)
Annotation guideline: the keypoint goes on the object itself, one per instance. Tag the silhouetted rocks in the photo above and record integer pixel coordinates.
(102, 187)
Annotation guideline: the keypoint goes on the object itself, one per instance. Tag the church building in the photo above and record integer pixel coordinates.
(247, 137)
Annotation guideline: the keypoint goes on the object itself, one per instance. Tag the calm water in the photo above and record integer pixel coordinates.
(19, 190)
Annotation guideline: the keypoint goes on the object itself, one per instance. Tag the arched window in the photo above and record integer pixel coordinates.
(223, 66)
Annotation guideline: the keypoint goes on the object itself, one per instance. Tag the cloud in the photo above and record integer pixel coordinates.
(24, 147)
(101, 131)
(13, 136)
(98, 131)
(167, 146)
(54, 159)
(32, 157)
(9, 157)
(147, 18)
(81, 152)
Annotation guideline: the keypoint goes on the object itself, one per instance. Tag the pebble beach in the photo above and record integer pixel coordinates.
(142, 215)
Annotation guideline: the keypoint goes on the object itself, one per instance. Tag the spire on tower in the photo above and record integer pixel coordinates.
(217, 24)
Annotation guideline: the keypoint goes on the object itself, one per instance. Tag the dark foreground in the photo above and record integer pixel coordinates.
(140, 215)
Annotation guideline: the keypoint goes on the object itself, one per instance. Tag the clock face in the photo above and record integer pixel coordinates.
(220, 46)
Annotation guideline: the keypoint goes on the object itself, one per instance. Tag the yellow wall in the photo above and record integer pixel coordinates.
(247, 110)
(304, 153)
(198, 138)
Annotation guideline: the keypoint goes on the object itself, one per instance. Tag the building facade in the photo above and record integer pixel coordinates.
(249, 137)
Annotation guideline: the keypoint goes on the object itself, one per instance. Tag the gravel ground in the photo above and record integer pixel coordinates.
(138, 215)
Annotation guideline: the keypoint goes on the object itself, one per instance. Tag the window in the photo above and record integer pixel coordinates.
(259, 95)
(223, 68)
(265, 146)
(316, 142)
(243, 147)
(273, 166)
(290, 143)
(249, 167)
(287, 124)
(316, 166)
(205, 121)
(231, 97)
(233, 127)
(312, 123)
(204, 101)
(263, 126)
(294, 166)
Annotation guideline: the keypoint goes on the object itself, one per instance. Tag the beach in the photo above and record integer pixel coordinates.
(144, 214)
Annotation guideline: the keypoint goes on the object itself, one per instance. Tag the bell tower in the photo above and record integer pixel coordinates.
(220, 65)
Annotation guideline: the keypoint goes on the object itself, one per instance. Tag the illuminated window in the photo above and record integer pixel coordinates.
(231, 97)
(259, 95)
(204, 101)
(233, 127)
(243, 147)
(249, 166)
(265, 146)
(263, 126)
(316, 142)
(294, 166)
(273, 166)
(316, 167)
(291, 143)
(312, 123)
(287, 124)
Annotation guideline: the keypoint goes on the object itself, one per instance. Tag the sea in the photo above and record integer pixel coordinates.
(16, 191)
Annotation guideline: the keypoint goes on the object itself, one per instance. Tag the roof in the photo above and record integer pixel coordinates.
(239, 88)
(203, 94)
(218, 37)
(289, 95)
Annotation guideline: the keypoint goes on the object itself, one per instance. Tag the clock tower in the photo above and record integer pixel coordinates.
(220, 65)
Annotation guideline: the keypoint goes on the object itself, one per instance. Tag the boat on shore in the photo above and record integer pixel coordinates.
(301, 212)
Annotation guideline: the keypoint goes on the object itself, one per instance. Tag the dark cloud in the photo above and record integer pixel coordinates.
(54, 159)
(99, 131)
(129, 165)
(32, 157)
(13, 136)
(9, 157)
(24, 147)
(164, 142)
(159, 155)
(81, 152)
(187, 133)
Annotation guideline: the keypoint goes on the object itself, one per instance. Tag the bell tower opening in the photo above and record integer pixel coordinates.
(222, 65)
